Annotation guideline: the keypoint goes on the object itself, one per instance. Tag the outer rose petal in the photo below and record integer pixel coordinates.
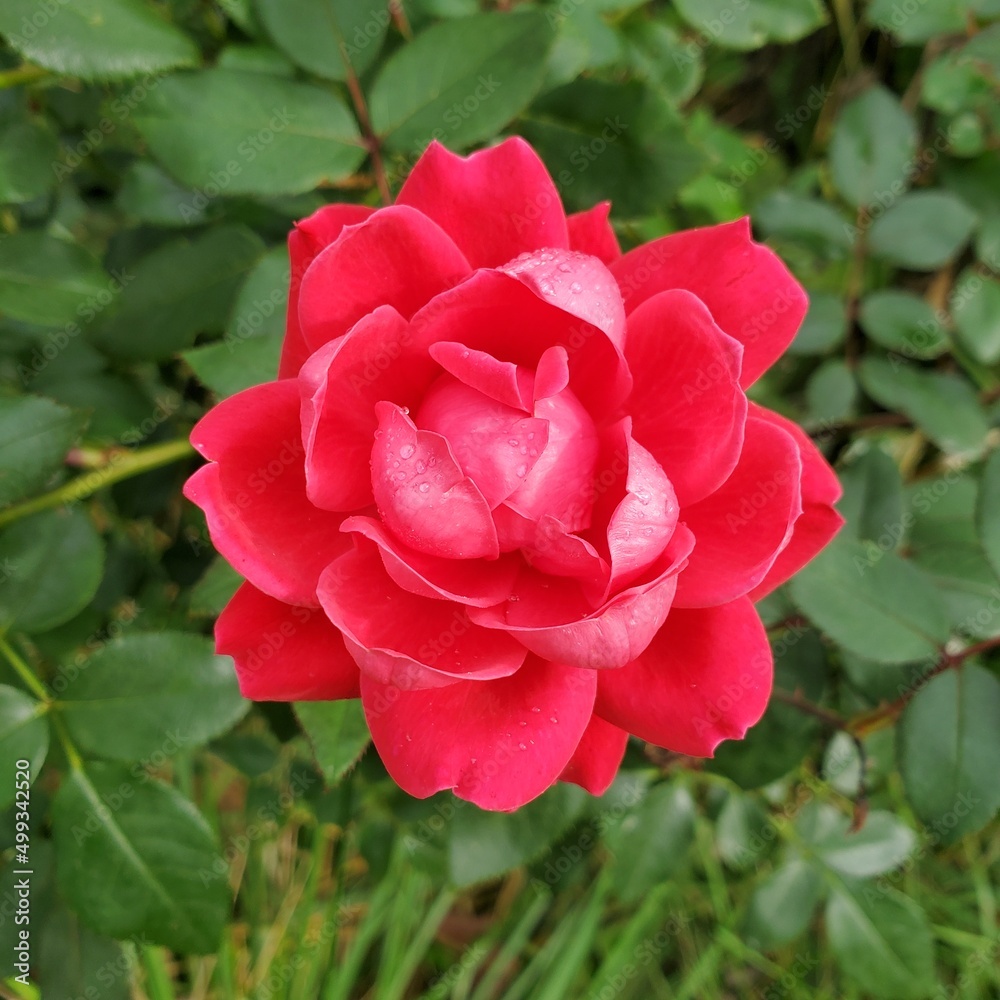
(740, 529)
(705, 678)
(819, 522)
(595, 763)
(550, 619)
(285, 653)
(494, 204)
(254, 493)
(341, 383)
(305, 241)
(399, 638)
(498, 743)
(747, 288)
(687, 405)
(590, 232)
(398, 257)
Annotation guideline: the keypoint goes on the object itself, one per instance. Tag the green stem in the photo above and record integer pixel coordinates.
(21, 74)
(72, 754)
(124, 467)
(21, 668)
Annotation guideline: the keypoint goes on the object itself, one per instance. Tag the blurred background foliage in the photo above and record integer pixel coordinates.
(153, 156)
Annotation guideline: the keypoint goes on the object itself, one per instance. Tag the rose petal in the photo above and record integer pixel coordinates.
(306, 240)
(480, 583)
(494, 204)
(500, 380)
(578, 284)
(557, 551)
(498, 744)
(340, 385)
(687, 404)
(705, 678)
(399, 638)
(487, 438)
(747, 288)
(740, 529)
(398, 258)
(591, 232)
(254, 493)
(283, 652)
(819, 522)
(551, 618)
(594, 765)
(424, 498)
(495, 313)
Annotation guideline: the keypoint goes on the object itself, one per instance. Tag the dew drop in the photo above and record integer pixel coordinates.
(400, 476)
(421, 467)
(424, 487)
(536, 709)
(565, 268)
(405, 410)
(521, 470)
(524, 723)
(513, 442)
(576, 288)
(522, 746)
(406, 451)
(647, 532)
(552, 718)
(531, 436)
(524, 449)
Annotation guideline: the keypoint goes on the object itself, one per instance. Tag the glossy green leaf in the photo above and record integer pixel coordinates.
(871, 151)
(460, 81)
(923, 230)
(27, 152)
(944, 405)
(783, 904)
(949, 751)
(903, 323)
(46, 281)
(753, 25)
(876, 605)
(883, 843)
(213, 591)
(824, 327)
(75, 962)
(95, 39)
(338, 733)
(975, 308)
(872, 503)
(35, 435)
(831, 393)
(134, 857)
(148, 695)
(988, 511)
(326, 37)
(24, 735)
(150, 194)
(181, 289)
(50, 567)
(224, 132)
(882, 941)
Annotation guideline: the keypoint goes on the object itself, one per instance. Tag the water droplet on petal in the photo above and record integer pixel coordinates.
(421, 467)
(565, 268)
(513, 442)
(536, 709)
(424, 487)
(552, 718)
(521, 746)
(521, 470)
(406, 451)
(576, 287)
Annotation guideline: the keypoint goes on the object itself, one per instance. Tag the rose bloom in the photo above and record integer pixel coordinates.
(508, 488)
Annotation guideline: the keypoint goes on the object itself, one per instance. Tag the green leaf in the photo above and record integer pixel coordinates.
(326, 37)
(460, 81)
(152, 195)
(248, 355)
(753, 25)
(943, 405)
(923, 230)
(919, 22)
(975, 307)
(831, 393)
(44, 280)
(134, 857)
(181, 289)
(24, 735)
(882, 941)
(743, 832)
(949, 751)
(873, 145)
(152, 694)
(988, 511)
(75, 962)
(95, 39)
(27, 152)
(902, 322)
(658, 55)
(883, 843)
(783, 904)
(52, 565)
(338, 733)
(882, 608)
(214, 590)
(612, 141)
(35, 435)
(872, 503)
(824, 327)
(664, 818)
(226, 133)
(813, 223)
(484, 844)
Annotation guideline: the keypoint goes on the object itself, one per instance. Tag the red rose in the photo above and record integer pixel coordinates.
(508, 488)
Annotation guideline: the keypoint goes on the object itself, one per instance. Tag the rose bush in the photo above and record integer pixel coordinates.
(508, 488)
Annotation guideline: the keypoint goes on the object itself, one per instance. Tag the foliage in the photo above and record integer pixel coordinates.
(153, 157)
